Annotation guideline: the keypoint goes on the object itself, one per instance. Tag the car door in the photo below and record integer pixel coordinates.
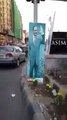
(24, 55)
(18, 53)
(21, 54)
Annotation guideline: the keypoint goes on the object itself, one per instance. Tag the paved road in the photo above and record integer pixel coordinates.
(11, 102)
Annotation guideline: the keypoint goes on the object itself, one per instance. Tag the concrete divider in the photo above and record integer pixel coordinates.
(32, 110)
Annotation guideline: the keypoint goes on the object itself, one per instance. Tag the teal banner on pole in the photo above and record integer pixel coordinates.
(36, 51)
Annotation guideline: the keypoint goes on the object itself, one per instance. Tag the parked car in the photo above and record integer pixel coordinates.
(12, 55)
(24, 48)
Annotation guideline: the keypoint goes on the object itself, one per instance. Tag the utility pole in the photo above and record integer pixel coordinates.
(35, 2)
(35, 11)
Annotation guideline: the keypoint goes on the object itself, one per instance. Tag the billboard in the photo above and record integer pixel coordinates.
(59, 43)
(35, 66)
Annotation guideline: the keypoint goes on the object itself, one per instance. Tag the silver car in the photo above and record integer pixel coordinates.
(11, 55)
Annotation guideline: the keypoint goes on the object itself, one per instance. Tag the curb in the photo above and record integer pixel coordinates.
(32, 108)
(62, 88)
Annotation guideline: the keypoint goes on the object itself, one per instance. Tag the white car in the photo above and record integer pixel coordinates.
(11, 55)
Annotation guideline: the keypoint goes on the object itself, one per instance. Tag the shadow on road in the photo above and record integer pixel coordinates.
(2, 67)
(9, 66)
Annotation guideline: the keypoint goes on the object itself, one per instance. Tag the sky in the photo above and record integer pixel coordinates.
(45, 10)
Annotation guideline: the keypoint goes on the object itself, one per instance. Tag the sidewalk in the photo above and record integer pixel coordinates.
(36, 95)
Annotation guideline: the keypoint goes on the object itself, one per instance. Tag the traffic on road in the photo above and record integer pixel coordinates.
(11, 55)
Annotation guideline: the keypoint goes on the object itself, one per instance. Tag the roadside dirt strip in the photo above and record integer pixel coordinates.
(32, 108)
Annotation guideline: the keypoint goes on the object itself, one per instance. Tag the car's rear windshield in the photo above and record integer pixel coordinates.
(6, 49)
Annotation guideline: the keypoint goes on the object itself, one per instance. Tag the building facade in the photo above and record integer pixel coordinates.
(25, 36)
(10, 21)
(17, 20)
(5, 19)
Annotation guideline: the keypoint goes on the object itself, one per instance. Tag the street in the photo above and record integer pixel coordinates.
(11, 102)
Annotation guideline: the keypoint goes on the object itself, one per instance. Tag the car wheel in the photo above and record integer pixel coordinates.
(17, 63)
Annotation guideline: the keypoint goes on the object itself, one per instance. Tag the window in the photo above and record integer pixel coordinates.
(9, 49)
(6, 49)
(18, 50)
